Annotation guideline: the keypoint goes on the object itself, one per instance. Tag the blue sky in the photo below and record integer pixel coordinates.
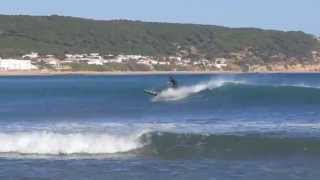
(268, 14)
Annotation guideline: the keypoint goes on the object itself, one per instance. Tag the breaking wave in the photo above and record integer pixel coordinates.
(242, 91)
(168, 141)
(58, 143)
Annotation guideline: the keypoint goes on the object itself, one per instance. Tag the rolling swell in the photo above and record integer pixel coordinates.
(173, 145)
(270, 93)
(250, 91)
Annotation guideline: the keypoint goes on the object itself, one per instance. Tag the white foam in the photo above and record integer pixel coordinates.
(74, 137)
(171, 94)
(108, 138)
(59, 143)
(302, 85)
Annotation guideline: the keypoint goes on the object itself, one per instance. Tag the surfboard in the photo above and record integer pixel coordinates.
(150, 92)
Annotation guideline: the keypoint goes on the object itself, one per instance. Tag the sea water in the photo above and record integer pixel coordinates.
(221, 126)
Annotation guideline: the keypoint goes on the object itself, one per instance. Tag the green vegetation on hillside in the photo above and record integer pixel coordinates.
(59, 35)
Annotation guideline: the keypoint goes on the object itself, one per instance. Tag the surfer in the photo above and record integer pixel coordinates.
(172, 83)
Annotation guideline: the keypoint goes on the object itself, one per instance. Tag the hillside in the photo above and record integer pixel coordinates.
(58, 35)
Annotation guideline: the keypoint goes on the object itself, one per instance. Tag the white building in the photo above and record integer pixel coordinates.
(147, 62)
(186, 61)
(196, 62)
(175, 58)
(133, 57)
(220, 63)
(142, 61)
(75, 56)
(204, 61)
(95, 62)
(115, 60)
(55, 63)
(69, 56)
(153, 62)
(14, 64)
(94, 56)
(32, 55)
(164, 63)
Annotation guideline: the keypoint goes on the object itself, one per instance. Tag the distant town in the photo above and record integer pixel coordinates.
(94, 62)
(242, 61)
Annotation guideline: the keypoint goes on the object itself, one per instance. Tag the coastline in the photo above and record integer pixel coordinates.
(128, 73)
(111, 73)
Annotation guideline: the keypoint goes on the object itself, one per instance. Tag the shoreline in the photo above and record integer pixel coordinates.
(124, 73)
(128, 73)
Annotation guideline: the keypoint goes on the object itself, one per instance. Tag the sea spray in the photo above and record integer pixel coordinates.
(174, 94)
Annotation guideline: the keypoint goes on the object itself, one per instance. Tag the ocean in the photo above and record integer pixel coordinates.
(215, 127)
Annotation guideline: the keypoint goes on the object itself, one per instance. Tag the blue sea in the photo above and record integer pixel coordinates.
(215, 127)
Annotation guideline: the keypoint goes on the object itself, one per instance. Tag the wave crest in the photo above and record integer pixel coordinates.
(74, 143)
